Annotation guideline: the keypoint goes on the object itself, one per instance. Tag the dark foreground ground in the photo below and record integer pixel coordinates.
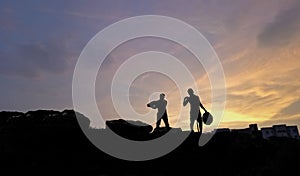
(58, 147)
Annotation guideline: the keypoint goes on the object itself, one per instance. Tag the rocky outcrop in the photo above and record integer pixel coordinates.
(130, 129)
(43, 119)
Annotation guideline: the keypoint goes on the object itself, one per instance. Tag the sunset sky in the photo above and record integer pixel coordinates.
(258, 43)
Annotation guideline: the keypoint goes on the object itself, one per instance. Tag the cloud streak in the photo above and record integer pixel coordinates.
(280, 31)
(35, 59)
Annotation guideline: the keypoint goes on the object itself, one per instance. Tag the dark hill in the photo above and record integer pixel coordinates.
(51, 143)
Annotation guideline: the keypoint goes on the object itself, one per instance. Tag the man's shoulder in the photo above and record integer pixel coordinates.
(195, 96)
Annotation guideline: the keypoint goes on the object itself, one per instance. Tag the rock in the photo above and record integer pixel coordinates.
(157, 132)
(130, 129)
(43, 119)
(5, 116)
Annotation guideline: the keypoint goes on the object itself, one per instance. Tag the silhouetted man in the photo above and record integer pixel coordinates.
(161, 106)
(195, 113)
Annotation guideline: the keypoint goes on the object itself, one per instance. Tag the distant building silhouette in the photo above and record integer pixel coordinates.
(222, 130)
(253, 129)
(280, 131)
(266, 132)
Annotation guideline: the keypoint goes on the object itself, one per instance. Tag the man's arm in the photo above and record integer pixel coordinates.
(202, 107)
(152, 104)
(185, 101)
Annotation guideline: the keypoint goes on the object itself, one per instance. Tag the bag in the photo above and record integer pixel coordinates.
(207, 118)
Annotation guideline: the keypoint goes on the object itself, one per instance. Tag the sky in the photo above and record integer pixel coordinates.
(257, 42)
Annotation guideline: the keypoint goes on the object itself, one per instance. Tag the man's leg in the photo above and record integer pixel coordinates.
(200, 126)
(158, 122)
(200, 123)
(192, 124)
(165, 119)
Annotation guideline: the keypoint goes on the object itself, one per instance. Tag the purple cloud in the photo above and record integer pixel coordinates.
(34, 59)
(281, 30)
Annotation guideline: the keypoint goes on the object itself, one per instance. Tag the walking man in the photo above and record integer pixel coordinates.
(195, 113)
(161, 106)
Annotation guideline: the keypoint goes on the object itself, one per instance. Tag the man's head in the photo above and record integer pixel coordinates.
(162, 96)
(190, 91)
